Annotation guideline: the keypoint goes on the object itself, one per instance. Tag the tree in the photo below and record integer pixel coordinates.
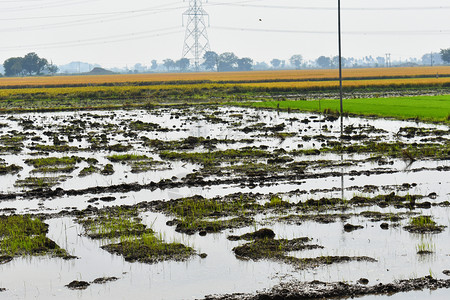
(245, 64)
(227, 62)
(296, 60)
(154, 65)
(445, 54)
(323, 62)
(275, 63)
(52, 69)
(13, 66)
(32, 63)
(183, 64)
(211, 60)
(168, 64)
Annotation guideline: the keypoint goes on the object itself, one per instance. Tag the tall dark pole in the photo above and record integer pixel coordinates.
(340, 97)
(340, 65)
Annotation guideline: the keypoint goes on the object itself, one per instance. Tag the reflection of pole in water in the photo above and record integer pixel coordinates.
(342, 176)
(340, 66)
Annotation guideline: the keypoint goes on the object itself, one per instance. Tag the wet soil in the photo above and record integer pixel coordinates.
(338, 290)
(205, 173)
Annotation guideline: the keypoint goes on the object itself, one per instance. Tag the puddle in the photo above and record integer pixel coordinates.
(202, 132)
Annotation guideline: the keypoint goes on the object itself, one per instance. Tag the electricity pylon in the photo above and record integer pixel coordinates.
(196, 41)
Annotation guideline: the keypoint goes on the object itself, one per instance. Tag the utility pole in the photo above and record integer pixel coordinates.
(431, 58)
(196, 41)
(340, 67)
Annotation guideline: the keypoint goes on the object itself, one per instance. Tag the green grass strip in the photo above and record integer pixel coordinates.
(426, 108)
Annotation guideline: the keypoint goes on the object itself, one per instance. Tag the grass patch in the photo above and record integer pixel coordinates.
(197, 214)
(54, 164)
(127, 157)
(150, 249)
(10, 169)
(39, 182)
(216, 157)
(114, 223)
(23, 235)
(423, 224)
(278, 249)
(426, 108)
(88, 171)
(137, 242)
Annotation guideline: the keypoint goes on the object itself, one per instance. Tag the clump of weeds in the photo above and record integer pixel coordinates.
(24, 235)
(197, 214)
(278, 250)
(54, 164)
(136, 241)
(423, 224)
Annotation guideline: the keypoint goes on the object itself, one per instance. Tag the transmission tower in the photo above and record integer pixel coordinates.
(196, 41)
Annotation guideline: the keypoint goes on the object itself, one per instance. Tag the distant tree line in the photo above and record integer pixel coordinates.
(30, 64)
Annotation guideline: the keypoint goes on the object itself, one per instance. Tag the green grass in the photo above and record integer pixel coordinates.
(150, 249)
(426, 108)
(114, 223)
(23, 235)
(216, 157)
(423, 221)
(127, 157)
(137, 241)
(53, 161)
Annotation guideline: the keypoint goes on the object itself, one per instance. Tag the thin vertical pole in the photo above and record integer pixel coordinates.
(340, 97)
(340, 66)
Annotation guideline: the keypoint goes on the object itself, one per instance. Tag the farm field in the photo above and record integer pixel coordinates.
(429, 108)
(224, 77)
(223, 202)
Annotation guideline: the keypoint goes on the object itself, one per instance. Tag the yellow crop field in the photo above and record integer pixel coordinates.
(127, 90)
(256, 76)
(352, 83)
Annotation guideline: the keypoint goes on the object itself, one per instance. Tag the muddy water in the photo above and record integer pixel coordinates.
(221, 272)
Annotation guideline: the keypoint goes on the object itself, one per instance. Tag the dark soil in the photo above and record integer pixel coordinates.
(102, 280)
(157, 251)
(263, 233)
(5, 259)
(337, 290)
(78, 285)
(349, 227)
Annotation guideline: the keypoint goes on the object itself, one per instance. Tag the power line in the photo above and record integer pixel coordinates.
(160, 7)
(87, 21)
(391, 32)
(49, 5)
(99, 40)
(331, 8)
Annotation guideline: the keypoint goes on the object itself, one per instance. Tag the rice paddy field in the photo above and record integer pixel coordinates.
(164, 187)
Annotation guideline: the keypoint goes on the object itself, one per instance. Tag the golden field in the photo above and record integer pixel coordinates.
(129, 90)
(256, 76)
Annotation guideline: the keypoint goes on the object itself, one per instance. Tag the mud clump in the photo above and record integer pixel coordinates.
(148, 249)
(5, 259)
(263, 233)
(78, 285)
(349, 227)
(364, 281)
(384, 226)
(102, 280)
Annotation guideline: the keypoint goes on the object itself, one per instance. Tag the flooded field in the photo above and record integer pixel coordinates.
(218, 202)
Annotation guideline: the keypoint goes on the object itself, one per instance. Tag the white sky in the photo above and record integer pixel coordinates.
(118, 33)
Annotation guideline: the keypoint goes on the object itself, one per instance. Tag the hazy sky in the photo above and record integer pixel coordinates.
(119, 33)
